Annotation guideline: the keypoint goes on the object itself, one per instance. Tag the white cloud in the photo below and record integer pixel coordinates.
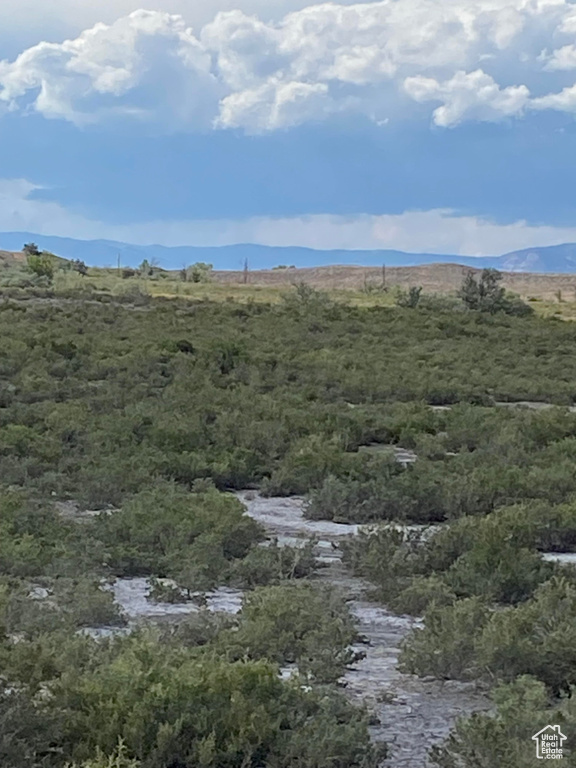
(147, 64)
(276, 105)
(562, 59)
(435, 231)
(21, 211)
(564, 101)
(271, 72)
(29, 19)
(468, 96)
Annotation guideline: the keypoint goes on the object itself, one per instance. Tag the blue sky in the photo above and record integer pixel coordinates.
(425, 125)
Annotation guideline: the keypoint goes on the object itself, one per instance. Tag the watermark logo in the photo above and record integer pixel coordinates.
(549, 743)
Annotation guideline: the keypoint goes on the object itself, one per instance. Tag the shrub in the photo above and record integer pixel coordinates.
(421, 594)
(199, 273)
(29, 734)
(446, 646)
(41, 264)
(175, 707)
(272, 564)
(409, 298)
(168, 532)
(499, 570)
(503, 739)
(537, 638)
(296, 623)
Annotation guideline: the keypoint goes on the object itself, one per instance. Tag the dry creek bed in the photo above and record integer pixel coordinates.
(412, 713)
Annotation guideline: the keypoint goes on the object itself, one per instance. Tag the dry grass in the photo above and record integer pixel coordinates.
(11, 258)
(434, 278)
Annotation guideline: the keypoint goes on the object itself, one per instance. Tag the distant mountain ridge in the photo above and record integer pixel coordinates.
(559, 259)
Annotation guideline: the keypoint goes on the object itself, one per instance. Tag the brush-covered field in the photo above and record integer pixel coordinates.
(129, 416)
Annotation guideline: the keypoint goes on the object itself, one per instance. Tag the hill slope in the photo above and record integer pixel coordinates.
(433, 278)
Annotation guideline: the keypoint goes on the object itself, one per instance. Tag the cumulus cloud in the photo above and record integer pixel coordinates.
(435, 231)
(260, 74)
(148, 65)
(67, 17)
(564, 101)
(562, 59)
(468, 96)
(276, 105)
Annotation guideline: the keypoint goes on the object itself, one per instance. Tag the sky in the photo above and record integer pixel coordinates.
(444, 126)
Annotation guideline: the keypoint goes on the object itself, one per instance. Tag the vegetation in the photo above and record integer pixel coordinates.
(125, 422)
(297, 624)
(197, 273)
(206, 694)
(485, 740)
(41, 265)
(485, 294)
(409, 298)
(135, 701)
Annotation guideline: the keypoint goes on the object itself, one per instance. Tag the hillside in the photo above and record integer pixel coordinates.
(11, 257)
(554, 258)
(434, 278)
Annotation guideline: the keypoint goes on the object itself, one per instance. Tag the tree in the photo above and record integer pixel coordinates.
(485, 294)
(199, 272)
(31, 249)
(146, 269)
(409, 299)
(80, 267)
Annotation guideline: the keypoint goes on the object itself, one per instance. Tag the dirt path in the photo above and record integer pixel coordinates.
(414, 713)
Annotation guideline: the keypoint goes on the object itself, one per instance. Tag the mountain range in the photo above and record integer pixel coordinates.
(101, 253)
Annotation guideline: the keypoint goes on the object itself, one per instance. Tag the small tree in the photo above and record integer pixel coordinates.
(31, 249)
(410, 298)
(485, 294)
(199, 272)
(146, 269)
(80, 267)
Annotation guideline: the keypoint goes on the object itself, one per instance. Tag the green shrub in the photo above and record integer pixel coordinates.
(174, 707)
(504, 739)
(446, 646)
(422, 592)
(272, 564)
(168, 532)
(537, 638)
(296, 623)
